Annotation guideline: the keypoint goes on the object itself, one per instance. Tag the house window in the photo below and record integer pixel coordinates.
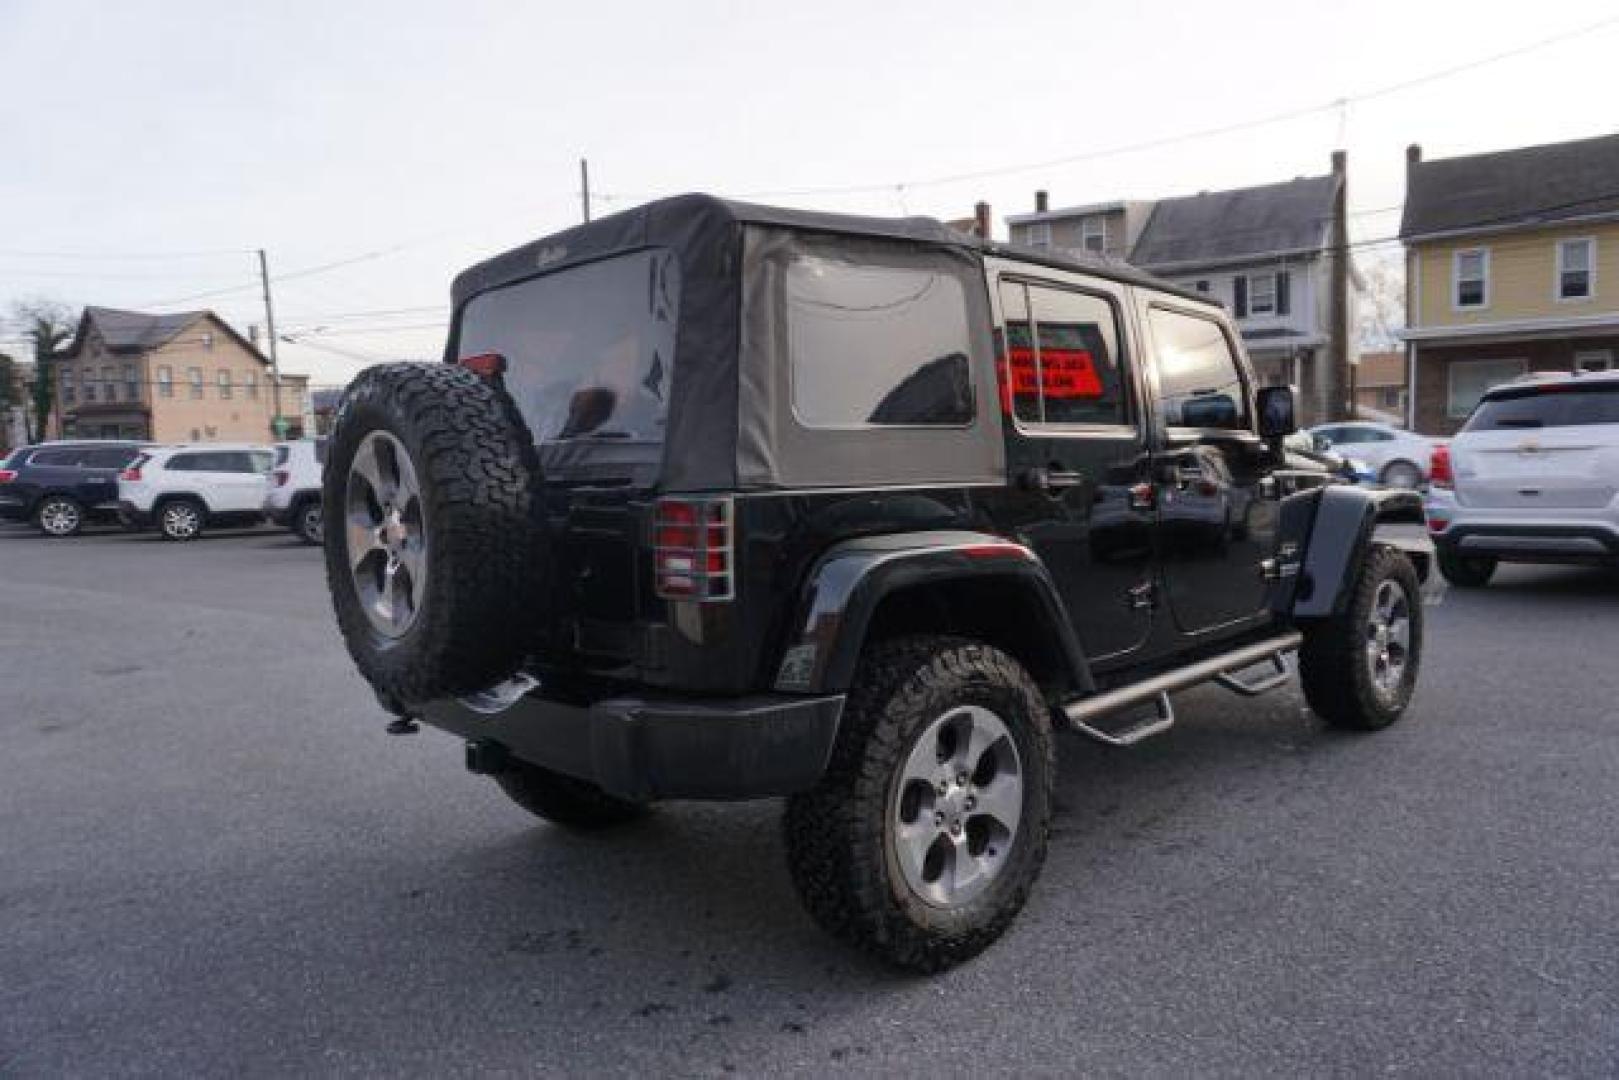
(1261, 294)
(224, 385)
(1389, 397)
(208, 342)
(1202, 286)
(68, 393)
(89, 385)
(1469, 379)
(1040, 235)
(195, 375)
(109, 379)
(1471, 270)
(132, 386)
(1093, 235)
(1594, 360)
(1574, 263)
(165, 381)
(251, 385)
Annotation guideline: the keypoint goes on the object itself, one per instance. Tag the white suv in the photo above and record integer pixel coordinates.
(184, 489)
(293, 501)
(1533, 476)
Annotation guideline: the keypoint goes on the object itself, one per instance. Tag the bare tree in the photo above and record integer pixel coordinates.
(47, 326)
(1381, 313)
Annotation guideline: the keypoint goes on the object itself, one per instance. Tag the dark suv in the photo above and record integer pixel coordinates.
(59, 486)
(719, 501)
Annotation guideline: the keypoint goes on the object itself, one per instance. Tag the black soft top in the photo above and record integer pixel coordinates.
(685, 217)
(730, 425)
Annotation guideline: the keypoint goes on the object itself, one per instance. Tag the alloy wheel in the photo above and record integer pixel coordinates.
(181, 520)
(1388, 638)
(956, 806)
(59, 517)
(386, 526)
(310, 523)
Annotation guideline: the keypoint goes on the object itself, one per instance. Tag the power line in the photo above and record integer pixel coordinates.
(1167, 140)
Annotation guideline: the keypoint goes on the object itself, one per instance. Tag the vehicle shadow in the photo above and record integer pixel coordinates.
(1580, 582)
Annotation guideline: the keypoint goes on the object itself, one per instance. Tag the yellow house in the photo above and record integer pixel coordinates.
(187, 377)
(1512, 266)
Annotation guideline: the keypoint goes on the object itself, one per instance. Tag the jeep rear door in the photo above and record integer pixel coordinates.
(1079, 490)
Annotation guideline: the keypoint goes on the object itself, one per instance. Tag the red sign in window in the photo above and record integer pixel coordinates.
(1063, 374)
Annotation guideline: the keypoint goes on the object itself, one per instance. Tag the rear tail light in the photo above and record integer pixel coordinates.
(281, 476)
(1439, 473)
(692, 549)
(131, 474)
(7, 476)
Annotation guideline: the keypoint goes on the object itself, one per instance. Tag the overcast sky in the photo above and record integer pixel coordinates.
(417, 138)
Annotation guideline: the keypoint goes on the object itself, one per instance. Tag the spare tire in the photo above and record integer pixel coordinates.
(434, 555)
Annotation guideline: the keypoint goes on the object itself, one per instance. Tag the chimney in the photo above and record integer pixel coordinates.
(1339, 162)
(1413, 154)
(1042, 202)
(981, 221)
(253, 334)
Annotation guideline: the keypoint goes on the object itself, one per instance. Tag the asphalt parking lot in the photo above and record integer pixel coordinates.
(213, 861)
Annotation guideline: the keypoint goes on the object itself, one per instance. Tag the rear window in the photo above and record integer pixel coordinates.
(1559, 405)
(589, 351)
(877, 346)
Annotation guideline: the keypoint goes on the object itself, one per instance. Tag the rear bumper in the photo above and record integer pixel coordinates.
(1523, 535)
(667, 748)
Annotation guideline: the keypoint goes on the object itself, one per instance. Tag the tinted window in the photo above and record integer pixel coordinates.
(109, 457)
(589, 351)
(1198, 377)
(1067, 370)
(58, 457)
(190, 463)
(1556, 406)
(877, 345)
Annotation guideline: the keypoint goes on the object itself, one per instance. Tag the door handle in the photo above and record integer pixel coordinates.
(1043, 479)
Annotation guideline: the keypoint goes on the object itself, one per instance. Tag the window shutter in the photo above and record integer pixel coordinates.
(1284, 301)
(1240, 295)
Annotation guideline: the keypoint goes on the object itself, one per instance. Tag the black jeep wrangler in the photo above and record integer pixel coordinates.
(717, 501)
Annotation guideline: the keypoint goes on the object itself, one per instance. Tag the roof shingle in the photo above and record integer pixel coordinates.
(1223, 226)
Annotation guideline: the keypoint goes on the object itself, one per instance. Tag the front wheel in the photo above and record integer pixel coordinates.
(1359, 668)
(921, 842)
(1404, 475)
(59, 516)
(181, 519)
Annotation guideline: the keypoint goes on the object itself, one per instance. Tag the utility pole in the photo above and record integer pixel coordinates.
(276, 423)
(584, 185)
(1340, 376)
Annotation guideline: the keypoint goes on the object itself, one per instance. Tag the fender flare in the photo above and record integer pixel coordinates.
(1340, 532)
(848, 583)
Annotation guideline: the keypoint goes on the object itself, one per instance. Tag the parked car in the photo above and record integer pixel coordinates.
(186, 489)
(60, 486)
(293, 501)
(1302, 445)
(1533, 476)
(1399, 457)
(724, 501)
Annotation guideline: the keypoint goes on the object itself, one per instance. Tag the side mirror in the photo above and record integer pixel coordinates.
(1276, 418)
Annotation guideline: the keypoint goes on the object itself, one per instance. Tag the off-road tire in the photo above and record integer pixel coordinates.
(170, 524)
(565, 800)
(64, 514)
(1466, 571)
(1333, 668)
(487, 572)
(837, 851)
(301, 525)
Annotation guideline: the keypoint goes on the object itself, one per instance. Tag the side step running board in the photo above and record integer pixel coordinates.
(1080, 713)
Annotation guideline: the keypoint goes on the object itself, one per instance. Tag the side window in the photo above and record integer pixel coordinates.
(1066, 369)
(258, 461)
(60, 458)
(109, 457)
(185, 463)
(877, 346)
(1199, 380)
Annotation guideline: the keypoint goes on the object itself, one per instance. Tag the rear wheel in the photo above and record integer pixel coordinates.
(923, 839)
(1466, 571)
(306, 521)
(1403, 474)
(181, 519)
(59, 515)
(565, 800)
(1359, 668)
